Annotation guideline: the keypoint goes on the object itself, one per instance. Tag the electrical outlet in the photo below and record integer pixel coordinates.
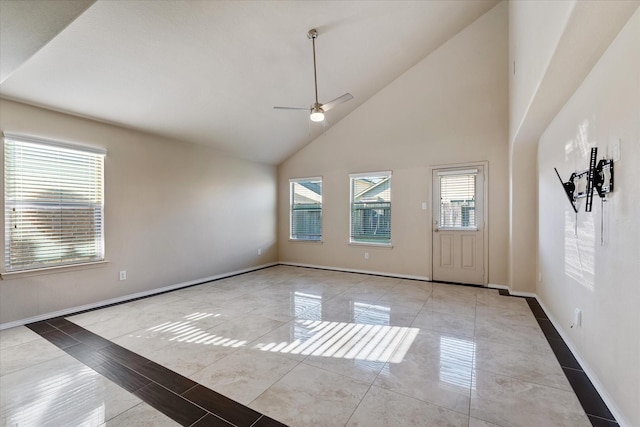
(123, 275)
(366, 255)
(259, 251)
(424, 206)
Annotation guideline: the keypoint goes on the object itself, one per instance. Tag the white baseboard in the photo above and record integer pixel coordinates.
(124, 298)
(622, 421)
(351, 270)
(516, 293)
(523, 294)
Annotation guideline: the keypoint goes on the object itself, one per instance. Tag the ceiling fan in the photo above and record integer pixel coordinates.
(317, 110)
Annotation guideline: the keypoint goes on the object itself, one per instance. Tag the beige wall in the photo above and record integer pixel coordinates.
(601, 279)
(174, 212)
(554, 45)
(450, 108)
(535, 29)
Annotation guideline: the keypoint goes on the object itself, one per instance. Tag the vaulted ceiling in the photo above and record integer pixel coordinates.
(210, 72)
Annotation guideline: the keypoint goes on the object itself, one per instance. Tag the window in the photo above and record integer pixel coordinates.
(371, 208)
(306, 209)
(458, 199)
(53, 200)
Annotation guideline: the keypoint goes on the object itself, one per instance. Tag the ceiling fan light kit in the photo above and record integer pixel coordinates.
(317, 110)
(317, 115)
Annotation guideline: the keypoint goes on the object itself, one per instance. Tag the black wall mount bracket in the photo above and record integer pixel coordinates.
(598, 177)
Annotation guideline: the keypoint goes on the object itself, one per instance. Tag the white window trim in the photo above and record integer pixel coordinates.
(37, 271)
(54, 143)
(372, 244)
(306, 179)
(352, 242)
(312, 178)
(364, 174)
(19, 274)
(459, 172)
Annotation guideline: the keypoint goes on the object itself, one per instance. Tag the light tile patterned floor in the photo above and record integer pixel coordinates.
(309, 347)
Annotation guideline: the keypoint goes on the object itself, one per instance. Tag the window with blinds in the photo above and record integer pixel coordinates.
(306, 209)
(54, 203)
(458, 199)
(371, 208)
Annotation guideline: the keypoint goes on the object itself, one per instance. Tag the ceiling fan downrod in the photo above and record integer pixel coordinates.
(313, 35)
(317, 113)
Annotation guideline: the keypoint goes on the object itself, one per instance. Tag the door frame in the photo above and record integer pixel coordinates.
(485, 210)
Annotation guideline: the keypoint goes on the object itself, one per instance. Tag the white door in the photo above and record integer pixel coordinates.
(458, 225)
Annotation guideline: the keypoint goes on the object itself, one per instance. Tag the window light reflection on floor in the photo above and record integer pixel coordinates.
(375, 343)
(456, 361)
(74, 394)
(372, 340)
(187, 331)
(363, 342)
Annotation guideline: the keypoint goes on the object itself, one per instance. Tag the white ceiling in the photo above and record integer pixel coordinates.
(26, 26)
(210, 72)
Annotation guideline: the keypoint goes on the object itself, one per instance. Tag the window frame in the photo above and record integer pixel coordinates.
(380, 174)
(458, 172)
(97, 205)
(292, 182)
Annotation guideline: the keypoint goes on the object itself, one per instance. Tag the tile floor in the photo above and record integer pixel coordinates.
(298, 346)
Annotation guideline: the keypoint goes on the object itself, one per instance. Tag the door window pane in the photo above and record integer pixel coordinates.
(458, 201)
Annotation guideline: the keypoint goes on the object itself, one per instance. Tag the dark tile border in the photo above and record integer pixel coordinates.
(183, 400)
(222, 406)
(589, 398)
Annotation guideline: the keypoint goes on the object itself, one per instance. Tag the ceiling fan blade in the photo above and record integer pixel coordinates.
(292, 108)
(339, 100)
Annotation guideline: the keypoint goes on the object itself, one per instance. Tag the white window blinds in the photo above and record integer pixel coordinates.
(458, 199)
(54, 203)
(371, 208)
(306, 209)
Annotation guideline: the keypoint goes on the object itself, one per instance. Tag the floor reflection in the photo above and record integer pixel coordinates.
(456, 361)
(310, 335)
(302, 302)
(330, 349)
(187, 331)
(73, 397)
(374, 343)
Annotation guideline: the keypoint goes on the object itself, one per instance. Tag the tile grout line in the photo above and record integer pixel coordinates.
(111, 359)
(374, 380)
(579, 392)
(473, 365)
(601, 418)
(152, 381)
(552, 335)
(57, 326)
(395, 391)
